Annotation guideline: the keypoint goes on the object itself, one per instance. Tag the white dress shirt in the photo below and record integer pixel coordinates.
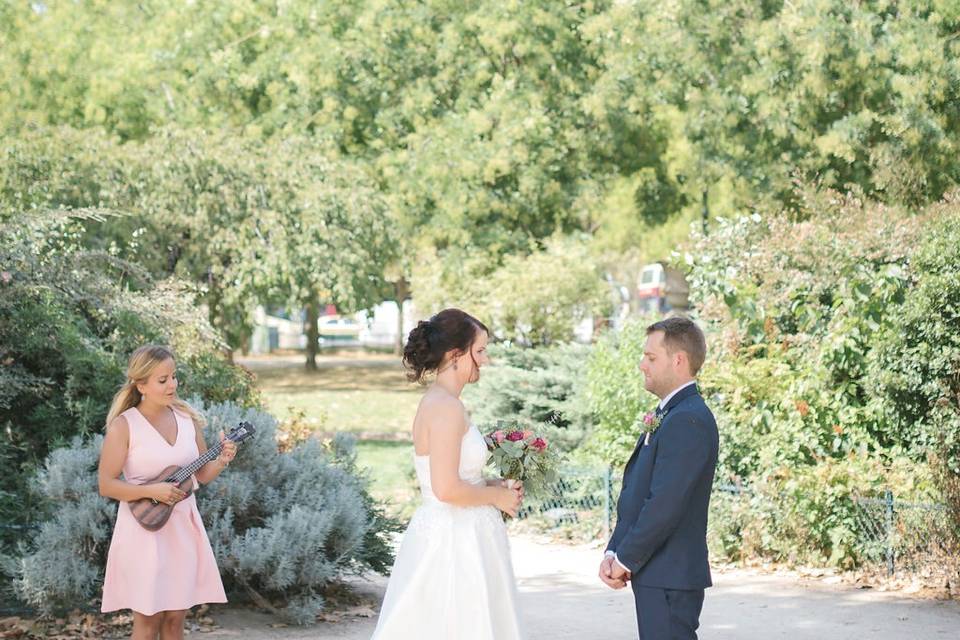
(663, 403)
(667, 398)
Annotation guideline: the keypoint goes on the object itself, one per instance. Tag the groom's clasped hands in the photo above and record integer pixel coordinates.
(612, 574)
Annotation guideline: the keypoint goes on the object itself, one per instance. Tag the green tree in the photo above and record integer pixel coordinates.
(245, 221)
(764, 93)
(335, 241)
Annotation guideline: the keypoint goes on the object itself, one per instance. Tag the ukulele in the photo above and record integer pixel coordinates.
(152, 515)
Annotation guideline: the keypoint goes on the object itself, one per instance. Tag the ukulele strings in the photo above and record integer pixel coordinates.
(189, 470)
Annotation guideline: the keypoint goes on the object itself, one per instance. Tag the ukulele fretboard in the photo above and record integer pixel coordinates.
(197, 464)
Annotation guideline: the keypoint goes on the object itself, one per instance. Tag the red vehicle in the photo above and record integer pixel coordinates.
(661, 288)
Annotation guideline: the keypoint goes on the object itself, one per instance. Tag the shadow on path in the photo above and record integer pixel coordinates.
(560, 598)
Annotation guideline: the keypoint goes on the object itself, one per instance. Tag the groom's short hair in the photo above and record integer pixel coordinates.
(682, 334)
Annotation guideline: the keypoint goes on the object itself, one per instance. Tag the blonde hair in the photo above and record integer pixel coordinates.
(142, 363)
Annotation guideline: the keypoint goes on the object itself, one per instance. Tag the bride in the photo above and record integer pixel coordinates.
(453, 578)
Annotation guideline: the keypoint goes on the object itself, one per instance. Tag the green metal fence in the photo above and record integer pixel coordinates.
(900, 535)
(910, 536)
(582, 497)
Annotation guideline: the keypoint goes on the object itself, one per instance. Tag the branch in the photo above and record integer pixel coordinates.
(258, 599)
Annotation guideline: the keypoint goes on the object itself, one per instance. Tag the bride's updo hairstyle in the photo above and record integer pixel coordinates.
(431, 339)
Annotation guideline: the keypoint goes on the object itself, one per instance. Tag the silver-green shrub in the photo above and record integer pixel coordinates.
(283, 526)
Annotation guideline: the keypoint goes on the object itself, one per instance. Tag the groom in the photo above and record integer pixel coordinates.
(660, 542)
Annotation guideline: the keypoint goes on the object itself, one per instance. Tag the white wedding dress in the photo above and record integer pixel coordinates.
(453, 577)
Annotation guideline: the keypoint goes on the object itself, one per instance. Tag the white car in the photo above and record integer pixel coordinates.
(338, 327)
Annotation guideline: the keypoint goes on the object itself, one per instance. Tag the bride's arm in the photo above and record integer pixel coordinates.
(446, 425)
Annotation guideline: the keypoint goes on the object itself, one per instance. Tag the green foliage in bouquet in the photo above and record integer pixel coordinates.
(521, 454)
(283, 525)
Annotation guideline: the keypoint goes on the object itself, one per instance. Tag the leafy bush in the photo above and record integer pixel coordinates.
(68, 322)
(63, 564)
(807, 514)
(914, 370)
(615, 393)
(534, 299)
(832, 341)
(542, 386)
(283, 526)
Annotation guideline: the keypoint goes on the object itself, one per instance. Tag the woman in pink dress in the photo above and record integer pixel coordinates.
(158, 574)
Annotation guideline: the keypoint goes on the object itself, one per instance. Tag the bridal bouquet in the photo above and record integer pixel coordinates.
(521, 454)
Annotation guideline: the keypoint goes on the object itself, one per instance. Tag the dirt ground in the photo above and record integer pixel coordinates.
(560, 598)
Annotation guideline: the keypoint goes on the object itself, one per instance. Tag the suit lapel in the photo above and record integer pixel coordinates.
(681, 395)
(633, 456)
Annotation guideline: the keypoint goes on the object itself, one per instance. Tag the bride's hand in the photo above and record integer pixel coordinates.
(517, 486)
(507, 500)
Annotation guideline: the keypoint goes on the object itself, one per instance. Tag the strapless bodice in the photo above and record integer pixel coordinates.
(473, 457)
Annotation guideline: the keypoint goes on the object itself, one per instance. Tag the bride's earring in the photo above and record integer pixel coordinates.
(454, 365)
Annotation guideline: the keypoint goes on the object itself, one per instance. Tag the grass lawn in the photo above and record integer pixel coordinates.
(366, 396)
(389, 465)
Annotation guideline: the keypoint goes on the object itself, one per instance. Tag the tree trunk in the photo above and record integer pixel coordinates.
(401, 289)
(313, 332)
(705, 212)
(215, 311)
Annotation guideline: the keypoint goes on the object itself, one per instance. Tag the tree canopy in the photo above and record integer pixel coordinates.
(480, 128)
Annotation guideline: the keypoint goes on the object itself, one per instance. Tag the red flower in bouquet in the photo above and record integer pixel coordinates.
(522, 454)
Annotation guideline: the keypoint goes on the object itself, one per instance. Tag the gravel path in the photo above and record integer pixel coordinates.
(560, 598)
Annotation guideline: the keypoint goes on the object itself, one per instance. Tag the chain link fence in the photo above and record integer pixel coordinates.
(898, 535)
(581, 499)
(905, 536)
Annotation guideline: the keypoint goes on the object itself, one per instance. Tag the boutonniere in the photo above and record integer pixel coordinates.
(649, 424)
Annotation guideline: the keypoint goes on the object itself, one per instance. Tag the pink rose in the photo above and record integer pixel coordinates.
(515, 436)
(499, 436)
(648, 419)
(6, 276)
(539, 444)
(527, 434)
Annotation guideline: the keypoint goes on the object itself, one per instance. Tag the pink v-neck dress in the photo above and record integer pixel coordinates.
(170, 569)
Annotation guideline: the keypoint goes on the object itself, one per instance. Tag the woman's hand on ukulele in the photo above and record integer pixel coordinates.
(229, 451)
(166, 492)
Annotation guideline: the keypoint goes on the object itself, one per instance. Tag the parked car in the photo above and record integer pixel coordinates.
(338, 328)
(661, 288)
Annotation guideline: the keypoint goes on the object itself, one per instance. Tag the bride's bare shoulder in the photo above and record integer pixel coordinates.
(440, 407)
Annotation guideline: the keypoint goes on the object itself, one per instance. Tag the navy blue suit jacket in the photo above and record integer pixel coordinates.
(661, 532)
